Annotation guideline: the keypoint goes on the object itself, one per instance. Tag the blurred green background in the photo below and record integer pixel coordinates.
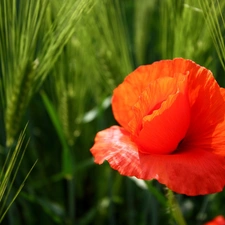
(59, 63)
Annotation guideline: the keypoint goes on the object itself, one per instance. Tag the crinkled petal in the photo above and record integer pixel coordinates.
(115, 146)
(152, 98)
(191, 171)
(164, 129)
(127, 93)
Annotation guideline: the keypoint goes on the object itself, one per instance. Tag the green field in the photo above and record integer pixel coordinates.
(60, 61)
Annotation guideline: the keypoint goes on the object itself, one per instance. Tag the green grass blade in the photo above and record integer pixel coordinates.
(212, 11)
(8, 175)
(67, 168)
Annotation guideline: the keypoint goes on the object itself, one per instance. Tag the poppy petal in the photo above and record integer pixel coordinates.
(165, 128)
(191, 172)
(207, 102)
(115, 146)
(152, 98)
(219, 220)
(127, 93)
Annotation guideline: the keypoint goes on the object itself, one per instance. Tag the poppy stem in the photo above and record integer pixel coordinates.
(174, 208)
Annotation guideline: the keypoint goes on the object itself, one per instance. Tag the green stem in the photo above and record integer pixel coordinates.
(175, 208)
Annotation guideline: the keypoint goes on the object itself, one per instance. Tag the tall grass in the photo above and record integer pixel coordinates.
(59, 63)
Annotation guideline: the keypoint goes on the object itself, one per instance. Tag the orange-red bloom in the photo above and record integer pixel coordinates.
(172, 117)
(219, 220)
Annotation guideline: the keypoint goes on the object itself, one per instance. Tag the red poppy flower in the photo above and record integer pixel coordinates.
(219, 220)
(172, 117)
